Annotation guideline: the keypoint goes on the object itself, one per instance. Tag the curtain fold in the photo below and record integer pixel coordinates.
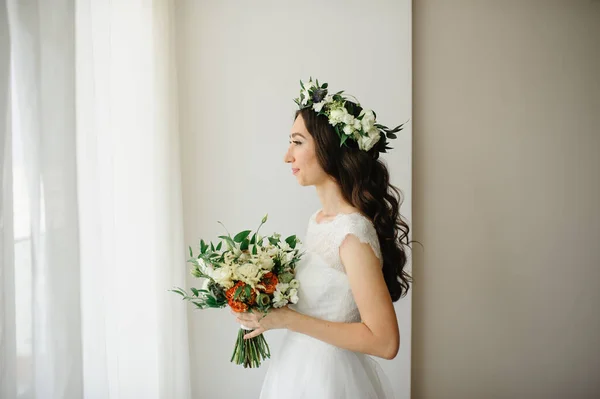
(43, 99)
(8, 356)
(129, 183)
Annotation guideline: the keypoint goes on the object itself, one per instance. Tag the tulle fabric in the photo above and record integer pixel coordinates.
(304, 367)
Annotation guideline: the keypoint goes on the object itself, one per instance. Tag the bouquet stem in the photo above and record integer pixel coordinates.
(250, 352)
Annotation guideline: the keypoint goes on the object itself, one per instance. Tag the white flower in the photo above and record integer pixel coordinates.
(279, 303)
(200, 263)
(348, 130)
(248, 273)
(281, 287)
(294, 284)
(368, 120)
(289, 257)
(229, 258)
(367, 142)
(318, 106)
(336, 115)
(374, 132)
(307, 86)
(357, 124)
(284, 246)
(279, 297)
(272, 251)
(293, 296)
(327, 100)
(348, 119)
(266, 262)
(244, 257)
(205, 284)
(306, 97)
(222, 275)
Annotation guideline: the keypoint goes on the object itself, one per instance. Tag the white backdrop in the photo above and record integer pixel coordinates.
(239, 64)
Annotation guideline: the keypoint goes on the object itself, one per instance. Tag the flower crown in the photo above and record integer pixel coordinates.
(349, 120)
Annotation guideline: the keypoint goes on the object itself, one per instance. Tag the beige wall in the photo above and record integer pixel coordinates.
(506, 199)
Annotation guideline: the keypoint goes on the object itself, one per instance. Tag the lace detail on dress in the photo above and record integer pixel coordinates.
(325, 238)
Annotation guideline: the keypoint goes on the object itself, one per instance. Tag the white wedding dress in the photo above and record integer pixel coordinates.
(304, 367)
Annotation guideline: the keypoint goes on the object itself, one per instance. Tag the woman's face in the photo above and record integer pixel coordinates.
(302, 156)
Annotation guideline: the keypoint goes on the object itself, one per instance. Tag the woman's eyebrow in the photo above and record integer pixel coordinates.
(296, 133)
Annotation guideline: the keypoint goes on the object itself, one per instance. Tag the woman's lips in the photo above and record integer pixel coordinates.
(294, 170)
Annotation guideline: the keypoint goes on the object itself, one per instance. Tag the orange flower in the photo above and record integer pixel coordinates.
(237, 306)
(252, 299)
(270, 281)
(230, 293)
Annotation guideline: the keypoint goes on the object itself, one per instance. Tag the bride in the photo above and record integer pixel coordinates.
(353, 267)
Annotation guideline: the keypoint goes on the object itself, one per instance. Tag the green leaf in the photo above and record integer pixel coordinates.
(219, 246)
(237, 293)
(195, 291)
(244, 245)
(212, 247)
(203, 246)
(273, 241)
(179, 291)
(242, 236)
(228, 240)
(191, 252)
(291, 240)
(324, 85)
(254, 250)
(344, 138)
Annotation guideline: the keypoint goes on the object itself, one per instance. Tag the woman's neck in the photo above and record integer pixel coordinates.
(332, 200)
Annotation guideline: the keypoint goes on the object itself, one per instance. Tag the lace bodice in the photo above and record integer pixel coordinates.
(324, 290)
(325, 238)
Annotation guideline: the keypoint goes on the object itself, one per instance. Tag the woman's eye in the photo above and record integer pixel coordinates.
(296, 142)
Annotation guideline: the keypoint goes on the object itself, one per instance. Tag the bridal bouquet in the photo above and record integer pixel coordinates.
(246, 272)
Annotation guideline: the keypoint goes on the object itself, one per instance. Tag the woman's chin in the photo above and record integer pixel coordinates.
(301, 181)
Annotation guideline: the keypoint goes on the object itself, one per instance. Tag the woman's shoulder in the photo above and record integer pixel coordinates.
(361, 227)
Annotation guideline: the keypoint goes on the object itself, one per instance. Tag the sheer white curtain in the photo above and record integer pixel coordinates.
(94, 108)
(43, 118)
(8, 353)
(135, 332)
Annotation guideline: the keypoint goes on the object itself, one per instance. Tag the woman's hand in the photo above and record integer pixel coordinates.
(261, 322)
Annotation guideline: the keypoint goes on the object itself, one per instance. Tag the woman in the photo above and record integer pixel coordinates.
(353, 268)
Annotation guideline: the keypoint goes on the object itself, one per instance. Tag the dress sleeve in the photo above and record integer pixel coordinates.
(363, 229)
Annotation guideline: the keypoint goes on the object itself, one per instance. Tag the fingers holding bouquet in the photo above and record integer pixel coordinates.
(260, 322)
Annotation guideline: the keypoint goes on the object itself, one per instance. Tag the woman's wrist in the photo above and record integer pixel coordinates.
(288, 316)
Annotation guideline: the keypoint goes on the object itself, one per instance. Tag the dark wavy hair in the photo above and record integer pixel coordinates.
(365, 183)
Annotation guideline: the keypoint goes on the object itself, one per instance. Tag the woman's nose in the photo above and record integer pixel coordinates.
(287, 158)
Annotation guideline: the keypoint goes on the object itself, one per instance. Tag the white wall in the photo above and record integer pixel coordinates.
(239, 64)
(507, 189)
